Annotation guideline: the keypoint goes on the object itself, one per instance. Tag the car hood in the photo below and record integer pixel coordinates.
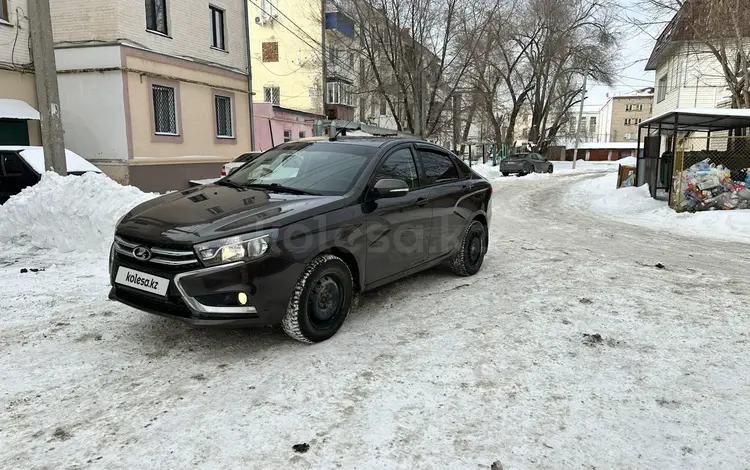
(213, 211)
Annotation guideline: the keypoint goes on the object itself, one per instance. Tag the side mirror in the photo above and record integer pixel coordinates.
(390, 188)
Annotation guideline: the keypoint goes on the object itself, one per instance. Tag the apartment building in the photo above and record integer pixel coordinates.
(620, 116)
(154, 93)
(19, 120)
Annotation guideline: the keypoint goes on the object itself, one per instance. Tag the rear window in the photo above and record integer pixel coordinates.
(246, 157)
(438, 167)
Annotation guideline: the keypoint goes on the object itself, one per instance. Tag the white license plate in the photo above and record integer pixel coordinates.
(142, 281)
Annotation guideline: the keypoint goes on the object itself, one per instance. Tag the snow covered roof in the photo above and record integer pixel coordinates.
(17, 109)
(357, 133)
(701, 119)
(34, 156)
(607, 145)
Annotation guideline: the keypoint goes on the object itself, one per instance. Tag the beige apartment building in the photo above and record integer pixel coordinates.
(620, 116)
(17, 87)
(154, 94)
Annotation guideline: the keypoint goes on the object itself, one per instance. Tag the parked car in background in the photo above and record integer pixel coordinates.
(238, 162)
(292, 237)
(524, 163)
(21, 167)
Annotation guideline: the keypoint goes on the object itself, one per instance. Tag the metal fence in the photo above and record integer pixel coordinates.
(710, 172)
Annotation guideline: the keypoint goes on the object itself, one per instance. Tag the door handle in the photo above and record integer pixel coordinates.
(421, 202)
(466, 188)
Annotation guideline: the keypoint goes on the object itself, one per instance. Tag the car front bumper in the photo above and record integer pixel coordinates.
(268, 284)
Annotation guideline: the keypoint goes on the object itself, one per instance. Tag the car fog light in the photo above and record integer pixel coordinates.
(242, 298)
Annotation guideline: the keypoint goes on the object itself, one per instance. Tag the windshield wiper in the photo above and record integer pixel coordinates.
(277, 188)
(231, 184)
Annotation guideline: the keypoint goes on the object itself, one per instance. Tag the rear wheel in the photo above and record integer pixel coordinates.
(470, 255)
(321, 301)
(549, 169)
(505, 173)
(532, 169)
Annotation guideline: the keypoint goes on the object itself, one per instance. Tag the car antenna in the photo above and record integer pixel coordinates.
(333, 139)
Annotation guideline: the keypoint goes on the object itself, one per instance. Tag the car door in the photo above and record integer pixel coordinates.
(14, 175)
(446, 186)
(398, 228)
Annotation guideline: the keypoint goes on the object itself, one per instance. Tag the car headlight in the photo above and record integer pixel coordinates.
(240, 248)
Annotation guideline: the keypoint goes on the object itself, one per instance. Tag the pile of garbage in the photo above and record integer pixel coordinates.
(707, 187)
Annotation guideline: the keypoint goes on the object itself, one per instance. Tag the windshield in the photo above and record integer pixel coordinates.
(319, 168)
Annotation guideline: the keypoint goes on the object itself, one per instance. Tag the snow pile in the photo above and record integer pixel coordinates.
(635, 206)
(628, 161)
(72, 213)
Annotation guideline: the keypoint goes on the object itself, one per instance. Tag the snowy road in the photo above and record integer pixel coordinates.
(432, 372)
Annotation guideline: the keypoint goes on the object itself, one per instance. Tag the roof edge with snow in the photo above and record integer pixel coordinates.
(17, 109)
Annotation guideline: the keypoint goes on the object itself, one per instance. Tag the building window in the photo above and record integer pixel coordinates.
(224, 125)
(627, 121)
(661, 93)
(156, 16)
(4, 10)
(302, 134)
(287, 135)
(572, 125)
(383, 107)
(165, 110)
(271, 94)
(270, 51)
(592, 125)
(340, 93)
(217, 28)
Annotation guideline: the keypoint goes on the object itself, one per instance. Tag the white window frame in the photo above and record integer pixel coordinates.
(218, 32)
(231, 116)
(175, 110)
(661, 88)
(268, 91)
(165, 6)
(287, 135)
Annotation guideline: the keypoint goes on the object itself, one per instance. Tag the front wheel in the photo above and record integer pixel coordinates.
(321, 301)
(549, 169)
(505, 173)
(470, 255)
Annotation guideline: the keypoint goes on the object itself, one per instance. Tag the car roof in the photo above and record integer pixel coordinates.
(368, 141)
(34, 156)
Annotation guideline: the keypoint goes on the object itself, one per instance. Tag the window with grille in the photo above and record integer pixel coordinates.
(156, 16)
(224, 127)
(217, 28)
(165, 110)
(270, 51)
(302, 134)
(287, 136)
(271, 94)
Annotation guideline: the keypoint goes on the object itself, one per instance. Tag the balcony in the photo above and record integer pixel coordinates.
(337, 18)
(341, 65)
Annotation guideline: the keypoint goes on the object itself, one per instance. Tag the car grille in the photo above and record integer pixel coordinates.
(160, 255)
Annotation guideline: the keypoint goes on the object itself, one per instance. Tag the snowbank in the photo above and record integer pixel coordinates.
(627, 161)
(72, 213)
(635, 206)
(492, 172)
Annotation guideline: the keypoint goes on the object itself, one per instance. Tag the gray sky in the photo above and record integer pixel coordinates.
(636, 47)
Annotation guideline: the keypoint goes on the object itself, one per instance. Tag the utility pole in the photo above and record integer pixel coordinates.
(324, 57)
(580, 117)
(251, 111)
(45, 74)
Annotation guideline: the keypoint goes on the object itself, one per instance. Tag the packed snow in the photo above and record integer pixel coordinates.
(34, 156)
(66, 214)
(634, 205)
(583, 342)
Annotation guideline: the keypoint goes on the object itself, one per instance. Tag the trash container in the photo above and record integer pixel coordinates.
(665, 168)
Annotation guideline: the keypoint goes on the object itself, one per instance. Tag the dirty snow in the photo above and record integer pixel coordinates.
(583, 342)
(66, 214)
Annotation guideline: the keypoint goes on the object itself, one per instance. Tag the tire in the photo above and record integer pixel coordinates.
(533, 169)
(550, 169)
(470, 255)
(505, 173)
(322, 299)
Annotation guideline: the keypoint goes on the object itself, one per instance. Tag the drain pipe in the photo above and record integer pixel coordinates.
(249, 77)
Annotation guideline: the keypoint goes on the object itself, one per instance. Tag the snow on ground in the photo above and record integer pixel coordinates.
(434, 371)
(635, 206)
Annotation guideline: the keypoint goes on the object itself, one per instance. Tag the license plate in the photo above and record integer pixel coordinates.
(142, 281)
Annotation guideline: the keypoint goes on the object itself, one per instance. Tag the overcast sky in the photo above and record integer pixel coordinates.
(636, 48)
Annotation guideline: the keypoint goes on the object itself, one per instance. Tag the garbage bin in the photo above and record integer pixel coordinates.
(665, 168)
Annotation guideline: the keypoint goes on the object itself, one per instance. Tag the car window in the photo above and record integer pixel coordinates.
(325, 168)
(246, 157)
(400, 166)
(438, 167)
(462, 167)
(12, 164)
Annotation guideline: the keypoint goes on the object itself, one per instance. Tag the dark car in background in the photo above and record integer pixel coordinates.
(21, 167)
(524, 163)
(292, 237)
